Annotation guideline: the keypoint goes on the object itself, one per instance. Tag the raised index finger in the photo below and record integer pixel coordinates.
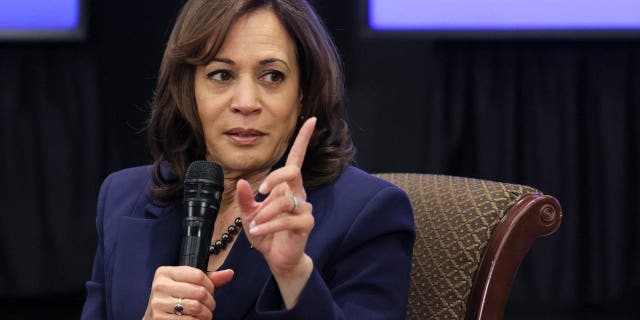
(299, 148)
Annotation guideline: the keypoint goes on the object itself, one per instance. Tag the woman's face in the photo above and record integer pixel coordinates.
(248, 97)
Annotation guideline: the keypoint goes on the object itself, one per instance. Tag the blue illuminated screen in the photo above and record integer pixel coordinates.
(504, 14)
(39, 15)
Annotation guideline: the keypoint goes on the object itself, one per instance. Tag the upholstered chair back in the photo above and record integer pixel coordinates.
(471, 236)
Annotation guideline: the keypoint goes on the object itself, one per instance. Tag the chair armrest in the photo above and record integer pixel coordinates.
(531, 217)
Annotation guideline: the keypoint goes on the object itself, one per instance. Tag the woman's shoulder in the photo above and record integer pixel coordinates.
(129, 178)
(125, 188)
(354, 188)
(360, 181)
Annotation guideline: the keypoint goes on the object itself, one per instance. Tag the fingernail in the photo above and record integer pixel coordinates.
(254, 229)
(263, 188)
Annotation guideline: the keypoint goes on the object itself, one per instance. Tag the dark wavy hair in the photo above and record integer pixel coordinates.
(176, 136)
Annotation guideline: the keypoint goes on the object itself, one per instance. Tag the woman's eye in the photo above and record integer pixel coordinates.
(273, 77)
(220, 75)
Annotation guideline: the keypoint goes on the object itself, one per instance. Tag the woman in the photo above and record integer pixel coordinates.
(254, 86)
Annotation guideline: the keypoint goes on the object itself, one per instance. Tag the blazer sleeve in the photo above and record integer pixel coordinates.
(369, 277)
(95, 303)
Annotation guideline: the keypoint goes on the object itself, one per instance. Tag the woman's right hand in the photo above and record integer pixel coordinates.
(194, 287)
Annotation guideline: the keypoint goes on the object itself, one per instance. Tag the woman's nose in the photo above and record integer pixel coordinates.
(246, 97)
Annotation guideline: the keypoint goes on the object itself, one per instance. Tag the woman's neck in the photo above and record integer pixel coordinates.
(231, 180)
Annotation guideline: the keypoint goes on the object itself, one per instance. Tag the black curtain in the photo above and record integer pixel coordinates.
(561, 116)
(52, 152)
(70, 113)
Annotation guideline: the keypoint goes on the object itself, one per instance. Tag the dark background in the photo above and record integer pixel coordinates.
(559, 115)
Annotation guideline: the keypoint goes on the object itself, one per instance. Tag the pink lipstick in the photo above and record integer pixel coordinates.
(244, 136)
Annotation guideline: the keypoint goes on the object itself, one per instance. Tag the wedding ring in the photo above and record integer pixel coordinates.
(295, 203)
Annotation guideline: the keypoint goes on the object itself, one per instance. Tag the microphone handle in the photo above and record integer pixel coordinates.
(197, 232)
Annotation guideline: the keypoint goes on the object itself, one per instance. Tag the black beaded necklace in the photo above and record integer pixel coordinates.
(226, 237)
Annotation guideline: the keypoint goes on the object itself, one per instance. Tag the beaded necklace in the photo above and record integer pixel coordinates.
(226, 237)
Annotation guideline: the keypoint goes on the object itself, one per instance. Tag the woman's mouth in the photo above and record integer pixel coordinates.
(244, 137)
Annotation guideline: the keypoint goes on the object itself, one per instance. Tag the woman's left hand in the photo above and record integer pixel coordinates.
(279, 226)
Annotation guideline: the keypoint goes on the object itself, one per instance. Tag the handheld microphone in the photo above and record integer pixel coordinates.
(203, 187)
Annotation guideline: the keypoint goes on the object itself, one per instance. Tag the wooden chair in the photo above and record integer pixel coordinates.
(471, 236)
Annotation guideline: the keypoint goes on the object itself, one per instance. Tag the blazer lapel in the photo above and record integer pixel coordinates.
(144, 244)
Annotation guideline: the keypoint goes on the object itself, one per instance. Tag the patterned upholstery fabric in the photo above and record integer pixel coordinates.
(454, 218)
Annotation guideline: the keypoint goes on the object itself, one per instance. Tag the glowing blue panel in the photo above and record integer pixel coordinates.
(39, 15)
(504, 14)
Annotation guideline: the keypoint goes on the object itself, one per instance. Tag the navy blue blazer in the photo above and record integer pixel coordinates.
(361, 246)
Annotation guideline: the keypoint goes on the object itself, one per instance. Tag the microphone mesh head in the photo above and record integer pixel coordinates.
(205, 170)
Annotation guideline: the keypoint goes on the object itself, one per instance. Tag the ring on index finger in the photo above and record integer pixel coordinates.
(295, 203)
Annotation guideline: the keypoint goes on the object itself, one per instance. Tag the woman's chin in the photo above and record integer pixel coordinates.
(241, 166)
(240, 163)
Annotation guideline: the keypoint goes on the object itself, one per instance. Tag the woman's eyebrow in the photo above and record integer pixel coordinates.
(273, 60)
(224, 60)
